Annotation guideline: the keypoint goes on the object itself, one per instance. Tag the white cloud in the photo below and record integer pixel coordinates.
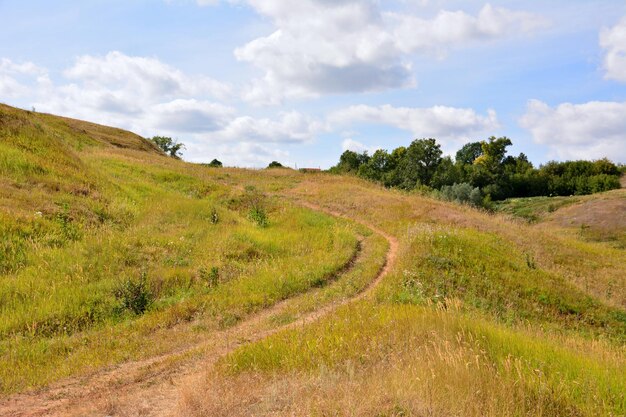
(590, 130)
(150, 97)
(190, 116)
(322, 46)
(452, 28)
(242, 154)
(18, 79)
(614, 41)
(350, 144)
(449, 125)
(289, 127)
(139, 93)
(147, 77)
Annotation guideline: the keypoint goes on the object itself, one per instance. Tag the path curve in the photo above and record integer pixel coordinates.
(151, 387)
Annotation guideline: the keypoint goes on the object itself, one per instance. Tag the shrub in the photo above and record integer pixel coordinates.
(258, 215)
(214, 217)
(211, 277)
(135, 295)
(255, 201)
(169, 146)
(215, 164)
(462, 193)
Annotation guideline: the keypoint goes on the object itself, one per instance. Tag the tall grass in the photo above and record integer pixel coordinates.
(99, 243)
(422, 358)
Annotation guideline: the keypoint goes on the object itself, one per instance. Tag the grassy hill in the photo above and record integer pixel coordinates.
(599, 217)
(111, 252)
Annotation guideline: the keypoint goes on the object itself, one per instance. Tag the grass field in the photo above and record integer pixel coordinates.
(101, 243)
(111, 252)
(480, 316)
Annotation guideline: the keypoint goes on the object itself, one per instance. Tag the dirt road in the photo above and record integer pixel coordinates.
(152, 387)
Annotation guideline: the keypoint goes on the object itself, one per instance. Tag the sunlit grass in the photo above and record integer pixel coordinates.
(440, 354)
(480, 316)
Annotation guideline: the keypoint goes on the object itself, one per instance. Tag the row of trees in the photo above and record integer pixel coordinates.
(480, 167)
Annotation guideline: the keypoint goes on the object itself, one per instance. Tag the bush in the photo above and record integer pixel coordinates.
(214, 217)
(255, 201)
(462, 193)
(169, 146)
(258, 215)
(215, 163)
(211, 277)
(135, 295)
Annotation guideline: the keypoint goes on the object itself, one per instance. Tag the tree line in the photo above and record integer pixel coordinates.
(479, 173)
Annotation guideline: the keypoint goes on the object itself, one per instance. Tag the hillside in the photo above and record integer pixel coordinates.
(599, 217)
(135, 284)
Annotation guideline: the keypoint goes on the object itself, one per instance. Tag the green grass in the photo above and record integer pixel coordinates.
(534, 209)
(489, 274)
(479, 317)
(539, 373)
(82, 220)
(110, 251)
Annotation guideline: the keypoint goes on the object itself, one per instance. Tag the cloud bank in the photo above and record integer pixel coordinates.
(592, 130)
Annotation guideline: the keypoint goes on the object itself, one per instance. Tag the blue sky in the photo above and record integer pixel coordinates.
(251, 81)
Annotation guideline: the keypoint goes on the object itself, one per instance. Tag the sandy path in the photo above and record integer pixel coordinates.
(152, 387)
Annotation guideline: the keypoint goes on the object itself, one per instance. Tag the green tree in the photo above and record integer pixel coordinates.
(275, 164)
(350, 161)
(376, 167)
(168, 145)
(468, 153)
(215, 164)
(418, 166)
(447, 173)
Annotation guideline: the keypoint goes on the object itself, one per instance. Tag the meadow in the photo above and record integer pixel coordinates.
(101, 244)
(112, 252)
(482, 314)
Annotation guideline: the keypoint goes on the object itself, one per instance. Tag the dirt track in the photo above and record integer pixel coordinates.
(151, 387)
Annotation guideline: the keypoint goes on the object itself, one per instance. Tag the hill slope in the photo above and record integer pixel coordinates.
(112, 254)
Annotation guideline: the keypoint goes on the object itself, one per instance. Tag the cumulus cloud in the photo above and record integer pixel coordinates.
(18, 79)
(350, 144)
(289, 127)
(191, 116)
(241, 154)
(595, 129)
(150, 97)
(355, 46)
(450, 125)
(148, 77)
(614, 41)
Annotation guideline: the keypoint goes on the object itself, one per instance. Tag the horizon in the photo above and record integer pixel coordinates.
(249, 82)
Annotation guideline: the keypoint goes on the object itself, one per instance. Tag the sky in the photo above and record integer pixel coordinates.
(252, 81)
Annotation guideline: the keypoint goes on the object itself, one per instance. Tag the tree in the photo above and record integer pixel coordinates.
(422, 158)
(468, 153)
(447, 173)
(215, 164)
(488, 172)
(169, 146)
(376, 166)
(350, 161)
(275, 164)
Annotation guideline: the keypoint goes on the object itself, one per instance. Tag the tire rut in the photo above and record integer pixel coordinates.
(151, 387)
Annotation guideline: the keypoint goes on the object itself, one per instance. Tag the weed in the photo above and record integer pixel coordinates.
(210, 277)
(258, 216)
(135, 295)
(214, 216)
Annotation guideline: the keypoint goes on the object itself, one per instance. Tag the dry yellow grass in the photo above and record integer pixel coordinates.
(481, 315)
